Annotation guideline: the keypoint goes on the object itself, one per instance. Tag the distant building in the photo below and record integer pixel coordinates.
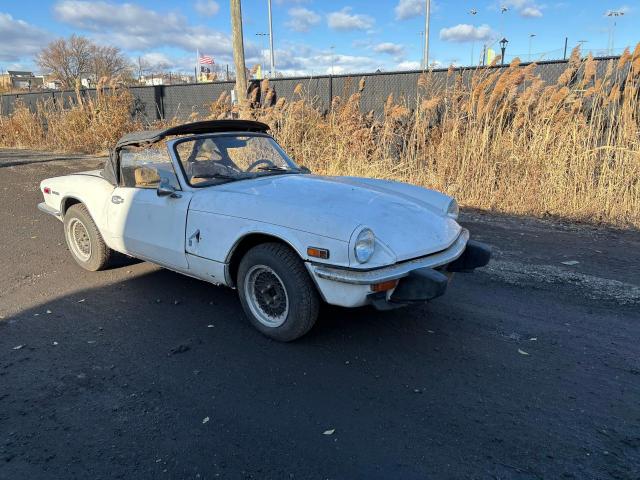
(15, 80)
(52, 83)
(152, 81)
(165, 79)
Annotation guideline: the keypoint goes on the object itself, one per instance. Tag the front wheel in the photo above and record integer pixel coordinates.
(276, 292)
(84, 240)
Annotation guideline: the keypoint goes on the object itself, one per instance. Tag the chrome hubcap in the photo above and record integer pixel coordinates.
(79, 239)
(266, 296)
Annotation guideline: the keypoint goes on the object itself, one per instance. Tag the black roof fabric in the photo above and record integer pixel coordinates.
(146, 137)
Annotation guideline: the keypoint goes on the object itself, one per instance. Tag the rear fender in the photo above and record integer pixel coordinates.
(93, 192)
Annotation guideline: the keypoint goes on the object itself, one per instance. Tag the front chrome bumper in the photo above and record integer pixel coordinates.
(392, 272)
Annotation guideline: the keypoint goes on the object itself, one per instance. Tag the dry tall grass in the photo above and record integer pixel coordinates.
(505, 141)
(88, 125)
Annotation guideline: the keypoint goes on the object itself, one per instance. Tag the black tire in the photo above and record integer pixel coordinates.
(301, 296)
(98, 255)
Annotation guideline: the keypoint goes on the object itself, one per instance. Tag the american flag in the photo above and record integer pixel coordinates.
(206, 60)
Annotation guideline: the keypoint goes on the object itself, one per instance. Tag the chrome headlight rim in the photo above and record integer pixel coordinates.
(453, 209)
(364, 245)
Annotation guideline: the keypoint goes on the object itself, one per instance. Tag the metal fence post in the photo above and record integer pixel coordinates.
(158, 97)
(330, 93)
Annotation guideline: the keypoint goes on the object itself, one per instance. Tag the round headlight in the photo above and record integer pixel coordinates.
(365, 245)
(453, 210)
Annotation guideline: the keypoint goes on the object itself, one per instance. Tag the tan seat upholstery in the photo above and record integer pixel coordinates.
(146, 177)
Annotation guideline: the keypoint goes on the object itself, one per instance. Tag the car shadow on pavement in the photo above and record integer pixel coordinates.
(164, 299)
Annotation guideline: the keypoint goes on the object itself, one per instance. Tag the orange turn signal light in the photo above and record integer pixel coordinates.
(318, 252)
(384, 286)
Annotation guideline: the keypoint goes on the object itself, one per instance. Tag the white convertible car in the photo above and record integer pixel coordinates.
(222, 202)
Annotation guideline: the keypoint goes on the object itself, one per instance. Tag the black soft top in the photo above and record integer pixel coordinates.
(148, 137)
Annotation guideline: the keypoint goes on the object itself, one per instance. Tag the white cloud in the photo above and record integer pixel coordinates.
(464, 32)
(301, 60)
(409, 65)
(208, 8)
(302, 19)
(345, 20)
(408, 9)
(158, 60)
(525, 8)
(133, 27)
(531, 12)
(389, 48)
(19, 39)
(413, 8)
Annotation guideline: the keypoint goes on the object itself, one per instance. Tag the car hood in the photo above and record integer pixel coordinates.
(409, 220)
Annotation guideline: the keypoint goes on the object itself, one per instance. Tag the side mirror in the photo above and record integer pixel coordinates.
(166, 190)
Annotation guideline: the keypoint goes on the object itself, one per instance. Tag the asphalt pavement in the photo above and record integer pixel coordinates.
(527, 369)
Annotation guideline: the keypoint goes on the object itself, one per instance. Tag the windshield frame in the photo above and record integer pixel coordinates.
(173, 146)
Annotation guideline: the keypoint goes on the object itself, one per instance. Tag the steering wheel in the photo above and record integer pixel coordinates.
(262, 161)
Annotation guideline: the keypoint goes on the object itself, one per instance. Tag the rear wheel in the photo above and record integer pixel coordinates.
(84, 240)
(276, 292)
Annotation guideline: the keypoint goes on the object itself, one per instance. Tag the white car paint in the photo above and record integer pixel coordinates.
(148, 226)
(196, 232)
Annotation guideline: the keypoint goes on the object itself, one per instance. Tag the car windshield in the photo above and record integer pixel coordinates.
(213, 159)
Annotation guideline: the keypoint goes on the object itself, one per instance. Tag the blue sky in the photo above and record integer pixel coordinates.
(314, 36)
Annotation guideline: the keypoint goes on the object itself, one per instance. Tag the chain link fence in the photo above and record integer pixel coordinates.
(162, 102)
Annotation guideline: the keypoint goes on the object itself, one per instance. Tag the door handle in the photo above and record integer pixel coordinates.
(117, 199)
(196, 236)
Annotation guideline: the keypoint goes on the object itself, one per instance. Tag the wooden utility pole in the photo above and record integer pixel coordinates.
(238, 52)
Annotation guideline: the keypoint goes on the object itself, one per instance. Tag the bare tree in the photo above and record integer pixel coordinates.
(66, 60)
(108, 62)
(70, 60)
(142, 67)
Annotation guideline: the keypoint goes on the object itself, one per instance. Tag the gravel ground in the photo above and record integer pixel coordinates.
(527, 369)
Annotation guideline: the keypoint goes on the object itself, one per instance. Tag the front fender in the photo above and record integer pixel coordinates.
(220, 234)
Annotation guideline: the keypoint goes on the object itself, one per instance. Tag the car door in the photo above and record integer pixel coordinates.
(143, 223)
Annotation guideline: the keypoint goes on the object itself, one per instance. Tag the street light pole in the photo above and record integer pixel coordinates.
(273, 61)
(531, 35)
(581, 45)
(473, 42)
(503, 47)
(427, 18)
(613, 14)
(262, 49)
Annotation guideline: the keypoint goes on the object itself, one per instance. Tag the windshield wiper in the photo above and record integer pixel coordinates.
(275, 168)
(216, 175)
